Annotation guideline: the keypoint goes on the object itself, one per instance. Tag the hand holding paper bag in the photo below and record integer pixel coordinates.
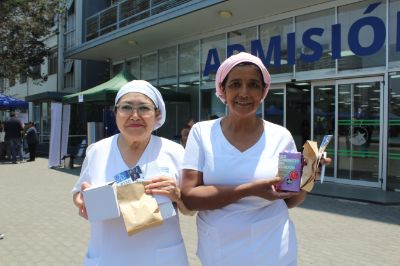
(139, 210)
(312, 156)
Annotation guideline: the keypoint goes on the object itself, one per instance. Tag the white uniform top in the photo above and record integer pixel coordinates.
(109, 243)
(251, 231)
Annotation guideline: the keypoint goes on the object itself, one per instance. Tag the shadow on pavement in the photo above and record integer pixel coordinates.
(75, 170)
(356, 209)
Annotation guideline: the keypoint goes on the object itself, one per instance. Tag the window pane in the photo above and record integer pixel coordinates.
(117, 68)
(167, 66)
(149, 68)
(243, 37)
(394, 56)
(278, 28)
(52, 63)
(189, 61)
(349, 14)
(273, 104)
(210, 104)
(135, 67)
(189, 65)
(324, 20)
(324, 118)
(358, 131)
(298, 105)
(393, 169)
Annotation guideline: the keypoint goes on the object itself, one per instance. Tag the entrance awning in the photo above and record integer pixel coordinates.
(106, 92)
(8, 102)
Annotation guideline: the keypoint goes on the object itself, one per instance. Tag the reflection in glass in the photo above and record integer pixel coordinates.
(278, 28)
(117, 68)
(273, 106)
(134, 66)
(347, 15)
(210, 104)
(243, 37)
(358, 131)
(167, 66)
(324, 20)
(167, 79)
(298, 112)
(324, 119)
(189, 64)
(149, 68)
(394, 55)
(393, 169)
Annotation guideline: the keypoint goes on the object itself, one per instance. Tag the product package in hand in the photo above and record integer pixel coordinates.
(312, 157)
(135, 205)
(290, 167)
(129, 176)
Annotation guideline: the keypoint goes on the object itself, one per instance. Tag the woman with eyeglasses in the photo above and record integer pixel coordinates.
(139, 110)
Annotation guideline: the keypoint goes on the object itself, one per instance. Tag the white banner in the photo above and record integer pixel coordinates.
(60, 117)
(65, 129)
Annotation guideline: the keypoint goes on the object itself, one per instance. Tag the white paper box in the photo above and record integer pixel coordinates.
(167, 210)
(101, 202)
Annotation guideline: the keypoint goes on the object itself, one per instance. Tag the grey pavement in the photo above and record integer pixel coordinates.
(42, 227)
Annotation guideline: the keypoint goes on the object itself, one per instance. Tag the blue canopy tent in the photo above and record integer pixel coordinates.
(9, 103)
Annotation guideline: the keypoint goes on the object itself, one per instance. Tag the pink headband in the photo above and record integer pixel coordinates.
(230, 63)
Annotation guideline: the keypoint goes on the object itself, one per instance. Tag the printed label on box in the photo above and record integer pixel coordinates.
(290, 169)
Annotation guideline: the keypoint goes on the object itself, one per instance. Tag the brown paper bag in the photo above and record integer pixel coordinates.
(310, 154)
(139, 210)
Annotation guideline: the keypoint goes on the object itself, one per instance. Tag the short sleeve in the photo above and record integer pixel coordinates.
(85, 172)
(178, 159)
(194, 151)
(291, 145)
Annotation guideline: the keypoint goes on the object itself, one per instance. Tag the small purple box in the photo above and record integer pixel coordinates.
(290, 168)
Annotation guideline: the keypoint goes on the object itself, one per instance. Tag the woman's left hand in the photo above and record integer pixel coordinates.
(165, 186)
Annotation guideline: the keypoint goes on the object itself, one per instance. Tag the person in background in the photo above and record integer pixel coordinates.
(184, 135)
(189, 122)
(139, 110)
(230, 173)
(13, 128)
(32, 140)
(2, 142)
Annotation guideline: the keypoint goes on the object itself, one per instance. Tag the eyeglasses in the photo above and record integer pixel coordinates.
(127, 109)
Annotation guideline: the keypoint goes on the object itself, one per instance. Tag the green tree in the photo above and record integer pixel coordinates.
(23, 25)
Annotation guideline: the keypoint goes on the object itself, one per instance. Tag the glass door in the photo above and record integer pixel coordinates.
(274, 105)
(323, 117)
(358, 129)
(393, 135)
(298, 106)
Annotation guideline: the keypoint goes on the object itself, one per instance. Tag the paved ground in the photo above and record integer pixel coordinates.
(41, 225)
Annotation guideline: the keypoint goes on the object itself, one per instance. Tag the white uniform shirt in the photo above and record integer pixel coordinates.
(251, 231)
(109, 243)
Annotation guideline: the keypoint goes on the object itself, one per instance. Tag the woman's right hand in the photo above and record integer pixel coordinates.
(266, 188)
(79, 202)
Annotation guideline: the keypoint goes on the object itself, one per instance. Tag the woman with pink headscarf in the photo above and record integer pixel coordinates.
(229, 175)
